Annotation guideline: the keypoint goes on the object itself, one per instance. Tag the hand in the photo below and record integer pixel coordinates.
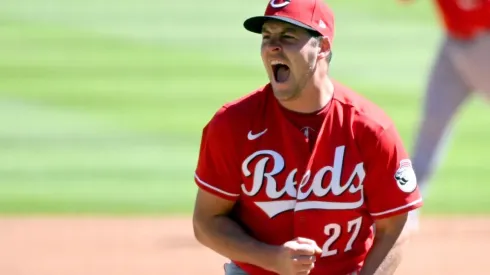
(297, 257)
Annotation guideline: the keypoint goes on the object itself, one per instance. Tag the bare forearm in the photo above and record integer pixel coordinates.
(227, 238)
(384, 257)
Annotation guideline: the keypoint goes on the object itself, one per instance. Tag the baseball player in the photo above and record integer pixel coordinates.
(293, 176)
(461, 68)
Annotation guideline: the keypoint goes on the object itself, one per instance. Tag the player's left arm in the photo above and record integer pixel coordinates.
(391, 191)
(386, 253)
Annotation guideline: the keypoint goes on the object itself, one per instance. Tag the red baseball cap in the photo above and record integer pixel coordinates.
(313, 15)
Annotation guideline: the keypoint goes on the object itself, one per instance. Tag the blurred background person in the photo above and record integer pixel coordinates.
(461, 68)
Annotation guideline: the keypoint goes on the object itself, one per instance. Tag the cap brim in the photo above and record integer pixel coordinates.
(254, 24)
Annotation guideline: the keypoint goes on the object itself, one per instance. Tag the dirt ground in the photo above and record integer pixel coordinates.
(147, 246)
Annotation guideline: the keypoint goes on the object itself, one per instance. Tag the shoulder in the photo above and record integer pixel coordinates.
(365, 115)
(238, 112)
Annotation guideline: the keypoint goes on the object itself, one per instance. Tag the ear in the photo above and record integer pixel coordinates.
(324, 47)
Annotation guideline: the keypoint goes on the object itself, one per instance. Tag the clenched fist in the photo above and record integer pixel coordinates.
(297, 257)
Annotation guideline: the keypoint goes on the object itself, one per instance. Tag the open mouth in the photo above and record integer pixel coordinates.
(281, 71)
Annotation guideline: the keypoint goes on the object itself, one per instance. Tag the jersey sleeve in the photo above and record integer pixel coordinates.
(217, 167)
(391, 184)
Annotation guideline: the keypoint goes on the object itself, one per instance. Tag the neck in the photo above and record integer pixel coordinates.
(316, 95)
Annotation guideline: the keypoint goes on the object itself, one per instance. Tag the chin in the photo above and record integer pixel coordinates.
(283, 95)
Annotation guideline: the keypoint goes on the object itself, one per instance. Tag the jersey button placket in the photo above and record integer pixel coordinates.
(299, 216)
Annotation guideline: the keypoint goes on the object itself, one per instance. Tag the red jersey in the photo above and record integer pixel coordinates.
(465, 18)
(357, 172)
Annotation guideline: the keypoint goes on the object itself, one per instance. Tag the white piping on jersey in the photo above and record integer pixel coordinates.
(214, 188)
(396, 209)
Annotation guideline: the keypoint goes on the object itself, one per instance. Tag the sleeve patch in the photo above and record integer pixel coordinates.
(405, 176)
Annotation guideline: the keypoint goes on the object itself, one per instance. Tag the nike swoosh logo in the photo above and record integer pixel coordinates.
(252, 136)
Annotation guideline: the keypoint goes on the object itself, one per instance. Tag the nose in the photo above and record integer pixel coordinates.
(273, 46)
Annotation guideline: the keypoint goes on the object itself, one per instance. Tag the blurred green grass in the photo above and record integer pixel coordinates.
(102, 103)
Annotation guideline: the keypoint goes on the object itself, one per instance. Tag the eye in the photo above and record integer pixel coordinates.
(288, 37)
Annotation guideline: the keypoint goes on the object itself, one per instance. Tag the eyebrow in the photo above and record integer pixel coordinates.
(288, 29)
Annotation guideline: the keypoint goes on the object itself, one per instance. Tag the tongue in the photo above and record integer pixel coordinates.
(282, 73)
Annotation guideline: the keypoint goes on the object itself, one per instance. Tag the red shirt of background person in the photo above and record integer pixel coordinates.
(301, 157)
(464, 19)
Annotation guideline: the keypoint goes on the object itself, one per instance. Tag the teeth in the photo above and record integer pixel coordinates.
(277, 62)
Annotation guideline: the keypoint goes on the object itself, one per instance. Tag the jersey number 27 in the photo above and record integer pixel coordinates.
(333, 232)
